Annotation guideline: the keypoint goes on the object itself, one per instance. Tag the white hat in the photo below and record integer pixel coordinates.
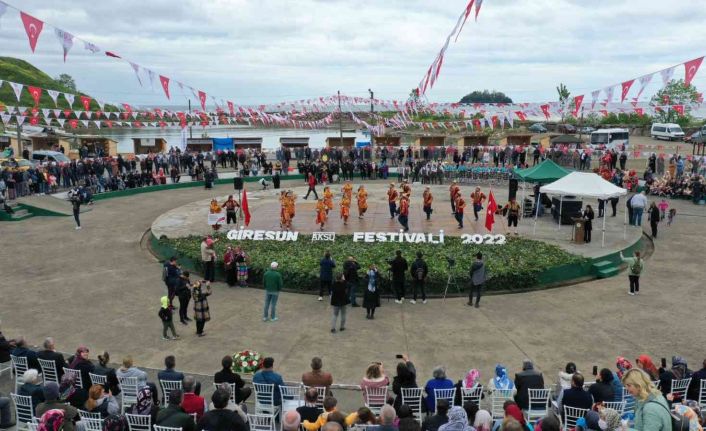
(274, 265)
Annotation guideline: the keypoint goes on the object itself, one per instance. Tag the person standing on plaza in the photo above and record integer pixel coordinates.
(362, 196)
(229, 265)
(638, 203)
(588, 216)
(399, 267)
(183, 292)
(477, 198)
(459, 206)
(326, 266)
(165, 315)
(202, 314)
(635, 267)
(371, 298)
(272, 280)
(172, 272)
(76, 206)
(513, 214)
(208, 259)
(427, 201)
(312, 186)
(654, 216)
(339, 301)
(404, 212)
(419, 272)
(350, 272)
(454, 190)
(478, 275)
(392, 200)
(231, 207)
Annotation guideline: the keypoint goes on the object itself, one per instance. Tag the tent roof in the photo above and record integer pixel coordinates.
(584, 184)
(566, 139)
(545, 172)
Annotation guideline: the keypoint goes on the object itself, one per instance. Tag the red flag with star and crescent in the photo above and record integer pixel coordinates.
(490, 212)
(244, 206)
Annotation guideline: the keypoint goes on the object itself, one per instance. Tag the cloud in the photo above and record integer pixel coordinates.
(272, 50)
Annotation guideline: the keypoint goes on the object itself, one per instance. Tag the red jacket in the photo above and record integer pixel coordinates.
(312, 181)
(192, 403)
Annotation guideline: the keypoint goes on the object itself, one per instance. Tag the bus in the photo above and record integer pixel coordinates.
(611, 139)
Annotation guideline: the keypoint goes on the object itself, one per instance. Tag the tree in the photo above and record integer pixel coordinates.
(67, 81)
(564, 95)
(675, 93)
(486, 96)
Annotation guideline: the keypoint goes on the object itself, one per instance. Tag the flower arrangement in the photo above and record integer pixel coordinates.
(247, 361)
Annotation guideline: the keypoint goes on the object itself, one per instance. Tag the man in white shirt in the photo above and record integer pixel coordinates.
(639, 203)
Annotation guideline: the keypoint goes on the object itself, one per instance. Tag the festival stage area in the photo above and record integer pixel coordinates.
(190, 219)
(103, 290)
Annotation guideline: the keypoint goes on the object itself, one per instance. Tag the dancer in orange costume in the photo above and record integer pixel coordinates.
(214, 208)
(284, 217)
(345, 209)
(428, 199)
(328, 198)
(321, 213)
(362, 201)
(392, 200)
(348, 190)
(403, 218)
(454, 190)
(290, 203)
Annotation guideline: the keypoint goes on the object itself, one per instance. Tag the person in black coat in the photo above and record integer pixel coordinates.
(226, 375)
(603, 390)
(406, 378)
(654, 216)
(339, 301)
(588, 217)
(50, 354)
(5, 348)
(528, 378)
(220, 418)
(575, 396)
(399, 267)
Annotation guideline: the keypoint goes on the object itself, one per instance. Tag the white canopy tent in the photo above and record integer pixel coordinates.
(584, 184)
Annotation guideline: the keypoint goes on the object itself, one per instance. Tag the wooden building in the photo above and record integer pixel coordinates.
(473, 140)
(199, 144)
(247, 143)
(294, 142)
(335, 141)
(387, 141)
(147, 145)
(430, 141)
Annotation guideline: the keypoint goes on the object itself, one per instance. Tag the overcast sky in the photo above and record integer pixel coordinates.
(267, 51)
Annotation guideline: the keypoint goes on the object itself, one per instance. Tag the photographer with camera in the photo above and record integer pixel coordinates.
(75, 198)
(398, 267)
(419, 273)
(478, 277)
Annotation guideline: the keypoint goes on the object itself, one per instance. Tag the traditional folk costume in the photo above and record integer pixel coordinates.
(404, 212)
(345, 209)
(231, 210)
(392, 196)
(460, 205)
(328, 199)
(321, 213)
(241, 266)
(477, 198)
(285, 219)
(362, 201)
(214, 208)
(513, 213)
(454, 190)
(427, 199)
(347, 190)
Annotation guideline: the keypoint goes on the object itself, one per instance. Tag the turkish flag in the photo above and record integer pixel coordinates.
(86, 102)
(231, 108)
(690, 69)
(639, 111)
(244, 206)
(33, 27)
(490, 212)
(679, 109)
(165, 84)
(545, 110)
(578, 100)
(521, 115)
(73, 123)
(626, 89)
(36, 93)
(202, 99)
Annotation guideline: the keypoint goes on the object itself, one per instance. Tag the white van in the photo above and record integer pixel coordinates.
(50, 156)
(611, 139)
(668, 131)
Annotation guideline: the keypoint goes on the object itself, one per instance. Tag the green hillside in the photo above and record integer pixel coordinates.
(20, 71)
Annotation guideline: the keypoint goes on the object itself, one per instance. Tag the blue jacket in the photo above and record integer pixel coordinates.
(326, 272)
(31, 356)
(170, 374)
(269, 377)
(429, 389)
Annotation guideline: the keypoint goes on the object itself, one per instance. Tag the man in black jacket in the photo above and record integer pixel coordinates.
(575, 396)
(173, 415)
(419, 273)
(221, 419)
(50, 354)
(350, 272)
(527, 379)
(399, 267)
(603, 390)
(432, 423)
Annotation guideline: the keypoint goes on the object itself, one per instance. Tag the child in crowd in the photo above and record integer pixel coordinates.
(165, 314)
(663, 205)
(670, 217)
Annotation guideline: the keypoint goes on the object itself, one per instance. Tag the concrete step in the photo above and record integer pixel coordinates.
(608, 272)
(18, 216)
(602, 264)
(21, 212)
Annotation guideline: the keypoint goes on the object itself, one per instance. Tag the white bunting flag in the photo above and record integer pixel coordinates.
(17, 89)
(47, 120)
(85, 123)
(667, 75)
(100, 103)
(61, 121)
(136, 68)
(91, 47)
(69, 98)
(54, 95)
(57, 113)
(152, 76)
(6, 118)
(608, 94)
(46, 112)
(644, 81)
(78, 114)
(97, 123)
(20, 119)
(66, 39)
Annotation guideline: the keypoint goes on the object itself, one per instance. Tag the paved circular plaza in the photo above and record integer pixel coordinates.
(101, 287)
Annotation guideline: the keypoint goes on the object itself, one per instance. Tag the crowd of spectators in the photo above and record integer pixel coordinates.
(186, 407)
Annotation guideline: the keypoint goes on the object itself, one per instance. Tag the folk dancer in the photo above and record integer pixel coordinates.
(392, 196)
(460, 205)
(321, 213)
(454, 190)
(477, 198)
(291, 206)
(328, 199)
(284, 217)
(214, 208)
(348, 190)
(231, 206)
(345, 208)
(362, 201)
(403, 218)
(428, 199)
(513, 214)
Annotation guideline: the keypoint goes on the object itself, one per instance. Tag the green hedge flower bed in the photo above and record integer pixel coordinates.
(514, 265)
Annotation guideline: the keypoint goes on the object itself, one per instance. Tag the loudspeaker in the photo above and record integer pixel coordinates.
(238, 183)
(514, 185)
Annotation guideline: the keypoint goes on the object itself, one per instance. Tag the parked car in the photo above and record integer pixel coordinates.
(537, 128)
(587, 129)
(566, 128)
(50, 156)
(694, 137)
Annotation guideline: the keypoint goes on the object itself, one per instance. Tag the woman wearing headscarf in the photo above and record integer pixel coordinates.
(241, 266)
(229, 265)
(145, 405)
(644, 362)
(501, 380)
(623, 365)
(678, 371)
(513, 411)
(458, 420)
(69, 393)
(51, 420)
(690, 413)
(483, 421)
(470, 381)
(80, 362)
